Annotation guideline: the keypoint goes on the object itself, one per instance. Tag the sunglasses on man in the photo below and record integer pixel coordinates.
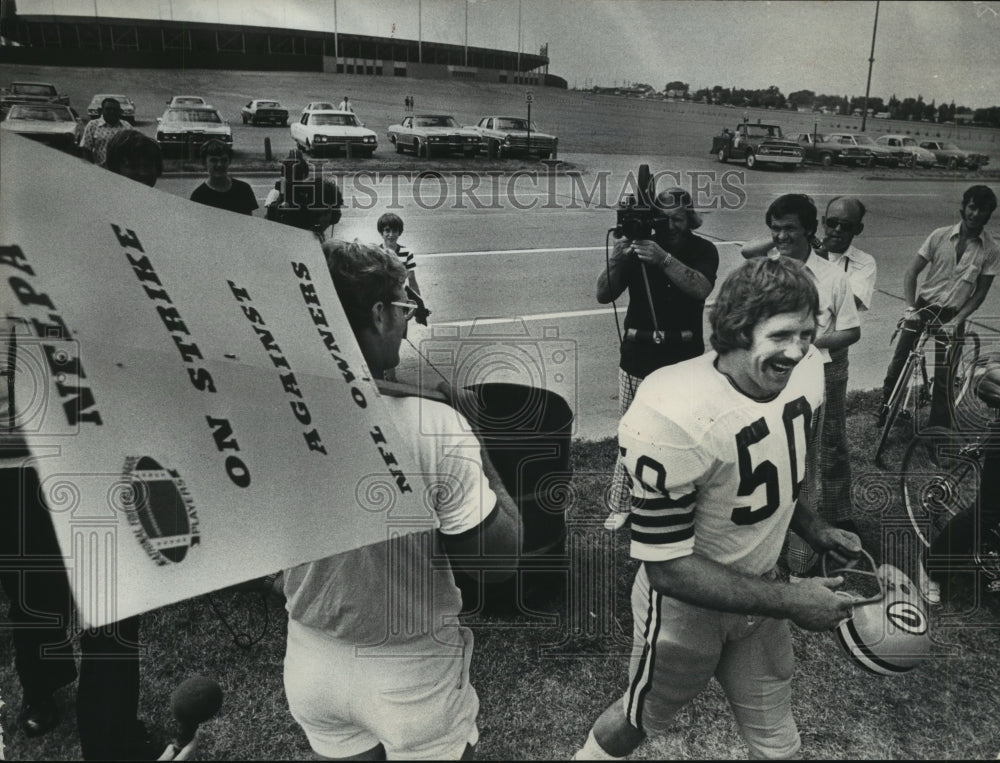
(409, 308)
(848, 226)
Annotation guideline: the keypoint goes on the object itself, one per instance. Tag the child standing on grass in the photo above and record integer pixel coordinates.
(390, 227)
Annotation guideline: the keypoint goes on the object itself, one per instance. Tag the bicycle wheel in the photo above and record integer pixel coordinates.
(940, 480)
(902, 391)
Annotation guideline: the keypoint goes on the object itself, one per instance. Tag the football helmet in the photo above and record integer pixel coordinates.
(888, 632)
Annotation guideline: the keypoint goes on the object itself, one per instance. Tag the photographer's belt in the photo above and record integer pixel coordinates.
(658, 337)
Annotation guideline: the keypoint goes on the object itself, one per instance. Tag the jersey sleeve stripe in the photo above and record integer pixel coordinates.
(663, 502)
(661, 538)
(662, 519)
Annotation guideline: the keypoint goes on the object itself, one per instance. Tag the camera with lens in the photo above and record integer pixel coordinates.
(637, 215)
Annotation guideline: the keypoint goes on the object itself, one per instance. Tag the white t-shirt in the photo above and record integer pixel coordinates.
(861, 269)
(402, 589)
(949, 283)
(836, 300)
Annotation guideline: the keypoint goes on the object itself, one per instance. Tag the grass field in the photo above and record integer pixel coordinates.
(541, 684)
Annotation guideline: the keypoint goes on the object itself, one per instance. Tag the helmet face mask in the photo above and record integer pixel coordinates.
(888, 632)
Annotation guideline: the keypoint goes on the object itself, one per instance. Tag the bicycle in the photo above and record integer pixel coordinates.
(914, 388)
(940, 481)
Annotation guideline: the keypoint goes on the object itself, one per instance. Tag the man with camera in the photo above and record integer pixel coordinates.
(669, 272)
(304, 199)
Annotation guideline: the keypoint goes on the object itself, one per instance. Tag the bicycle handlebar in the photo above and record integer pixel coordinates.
(927, 325)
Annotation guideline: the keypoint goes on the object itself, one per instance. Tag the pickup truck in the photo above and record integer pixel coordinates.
(821, 149)
(506, 136)
(757, 144)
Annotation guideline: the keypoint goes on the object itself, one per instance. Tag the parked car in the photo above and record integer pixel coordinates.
(333, 131)
(507, 136)
(128, 108)
(916, 155)
(425, 134)
(31, 92)
(191, 125)
(883, 155)
(757, 144)
(952, 157)
(819, 149)
(50, 123)
(319, 106)
(257, 112)
(186, 100)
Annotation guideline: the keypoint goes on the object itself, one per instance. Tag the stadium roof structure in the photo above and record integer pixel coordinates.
(52, 39)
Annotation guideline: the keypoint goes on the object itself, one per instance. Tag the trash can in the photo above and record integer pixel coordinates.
(527, 433)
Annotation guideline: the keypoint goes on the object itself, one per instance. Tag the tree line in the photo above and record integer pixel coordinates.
(914, 109)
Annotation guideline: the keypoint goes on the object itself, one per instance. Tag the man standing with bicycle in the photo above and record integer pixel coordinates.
(960, 261)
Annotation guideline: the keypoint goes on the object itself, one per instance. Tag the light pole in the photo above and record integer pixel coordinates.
(466, 32)
(871, 62)
(517, 75)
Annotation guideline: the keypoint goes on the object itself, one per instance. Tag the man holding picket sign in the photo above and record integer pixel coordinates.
(376, 665)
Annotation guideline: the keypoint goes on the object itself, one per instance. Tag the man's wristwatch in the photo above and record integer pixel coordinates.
(667, 260)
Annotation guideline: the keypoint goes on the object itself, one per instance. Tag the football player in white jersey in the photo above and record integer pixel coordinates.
(716, 450)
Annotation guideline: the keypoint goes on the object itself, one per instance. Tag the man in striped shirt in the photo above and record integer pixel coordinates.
(390, 228)
(715, 450)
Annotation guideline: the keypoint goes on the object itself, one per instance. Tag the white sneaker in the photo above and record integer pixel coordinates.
(615, 521)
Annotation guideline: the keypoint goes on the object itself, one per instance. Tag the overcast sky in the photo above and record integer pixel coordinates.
(941, 50)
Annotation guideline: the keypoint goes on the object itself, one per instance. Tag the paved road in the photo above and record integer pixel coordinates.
(519, 257)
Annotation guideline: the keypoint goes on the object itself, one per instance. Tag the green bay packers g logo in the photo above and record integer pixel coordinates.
(907, 617)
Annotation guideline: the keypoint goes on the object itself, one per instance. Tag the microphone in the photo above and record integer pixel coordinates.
(193, 702)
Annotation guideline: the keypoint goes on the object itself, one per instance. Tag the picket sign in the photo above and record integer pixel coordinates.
(194, 400)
